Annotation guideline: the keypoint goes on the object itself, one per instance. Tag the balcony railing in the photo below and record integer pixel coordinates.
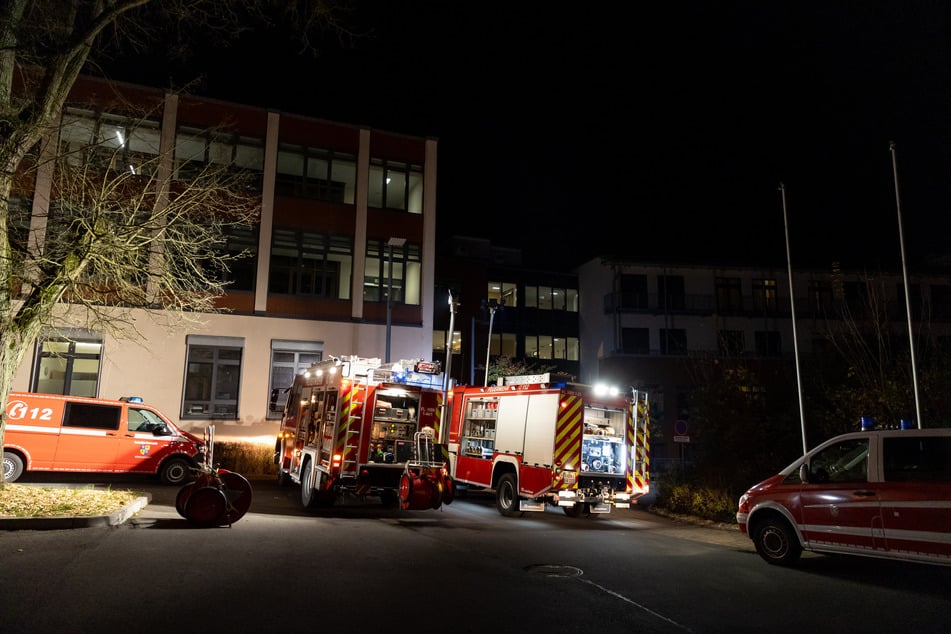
(689, 304)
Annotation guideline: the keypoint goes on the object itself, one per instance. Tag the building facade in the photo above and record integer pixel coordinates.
(643, 324)
(343, 257)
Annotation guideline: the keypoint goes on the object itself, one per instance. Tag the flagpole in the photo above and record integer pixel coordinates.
(904, 270)
(792, 308)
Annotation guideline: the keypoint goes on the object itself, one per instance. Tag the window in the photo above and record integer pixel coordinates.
(68, 365)
(241, 271)
(194, 148)
(314, 264)
(506, 344)
(764, 296)
(109, 141)
(406, 269)
(551, 298)
(545, 347)
(918, 459)
(439, 341)
(846, 461)
(633, 292)
(729, 295)
(571, 300)
(288, 359)
(502, 292)
(670, 292)
(673, 341)
(314, 173)
(731, 343)
(856, 298)
(91, 415)
(820, 297)
(212, 377)
(635, 341)
(768, 343)
(502, 344)
(396, 185)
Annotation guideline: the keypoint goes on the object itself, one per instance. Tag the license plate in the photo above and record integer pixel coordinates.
(569, 477)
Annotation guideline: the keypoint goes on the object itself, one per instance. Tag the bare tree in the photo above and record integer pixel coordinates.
(115, 237)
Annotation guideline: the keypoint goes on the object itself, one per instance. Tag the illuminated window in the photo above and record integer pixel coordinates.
(439, 341)
(68, 366)
(502, 292)
(407, 273)
(395, 185)
(288, 359)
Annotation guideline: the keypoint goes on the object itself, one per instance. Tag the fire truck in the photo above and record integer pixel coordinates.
(539, 443)
(354, 427)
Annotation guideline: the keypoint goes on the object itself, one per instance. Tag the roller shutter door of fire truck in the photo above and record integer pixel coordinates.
(540, 429)
(510, 424)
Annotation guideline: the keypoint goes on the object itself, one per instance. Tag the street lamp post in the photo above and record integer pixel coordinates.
(392, 242)
(492, 306)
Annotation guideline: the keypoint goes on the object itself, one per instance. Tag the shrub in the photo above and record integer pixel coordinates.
(717, 505)
(252, 460)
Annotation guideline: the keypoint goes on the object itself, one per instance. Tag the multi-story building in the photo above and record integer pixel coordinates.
(643, 322)
(532, 314)
(347, 215)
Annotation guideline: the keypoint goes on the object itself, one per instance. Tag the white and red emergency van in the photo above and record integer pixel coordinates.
(541, 443)
(52, 432)
(877, 492)
(356, 426)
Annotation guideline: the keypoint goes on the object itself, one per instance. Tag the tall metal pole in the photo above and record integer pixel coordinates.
(488, 345)
(389, 300)
(447, 379)
(392, 242)
(904, 271)
(792, 309)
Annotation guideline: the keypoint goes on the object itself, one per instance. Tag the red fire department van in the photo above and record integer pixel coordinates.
(50, 432)
(877, 493)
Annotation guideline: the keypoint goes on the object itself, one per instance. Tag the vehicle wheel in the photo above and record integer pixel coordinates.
(12, 466)
(776, 542)
(578, 510)
(206, 507)
(237, 493)
(506, 495)
(308, 495)
(283, 478)
(176, 471)
(182, 498)
(406, 490)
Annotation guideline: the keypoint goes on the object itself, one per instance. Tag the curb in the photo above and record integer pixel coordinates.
(57, 523)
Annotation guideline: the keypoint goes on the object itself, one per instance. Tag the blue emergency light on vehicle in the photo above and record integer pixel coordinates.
(132, 399)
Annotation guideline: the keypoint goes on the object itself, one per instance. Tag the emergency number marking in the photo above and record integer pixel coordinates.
(18, 410)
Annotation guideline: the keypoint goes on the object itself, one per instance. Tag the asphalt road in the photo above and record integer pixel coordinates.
(461, 568)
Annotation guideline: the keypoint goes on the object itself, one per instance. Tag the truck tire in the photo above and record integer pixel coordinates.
(12, 466)
(308, 495)
(776, 542)
(506, 495)
(176, 471)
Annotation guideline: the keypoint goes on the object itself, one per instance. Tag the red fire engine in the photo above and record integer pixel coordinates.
(354, 427)
(539, 443)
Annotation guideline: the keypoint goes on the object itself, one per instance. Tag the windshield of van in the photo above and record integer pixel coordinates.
(144, 420)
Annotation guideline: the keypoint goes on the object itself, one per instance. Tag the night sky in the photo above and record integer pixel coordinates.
(573, 130)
